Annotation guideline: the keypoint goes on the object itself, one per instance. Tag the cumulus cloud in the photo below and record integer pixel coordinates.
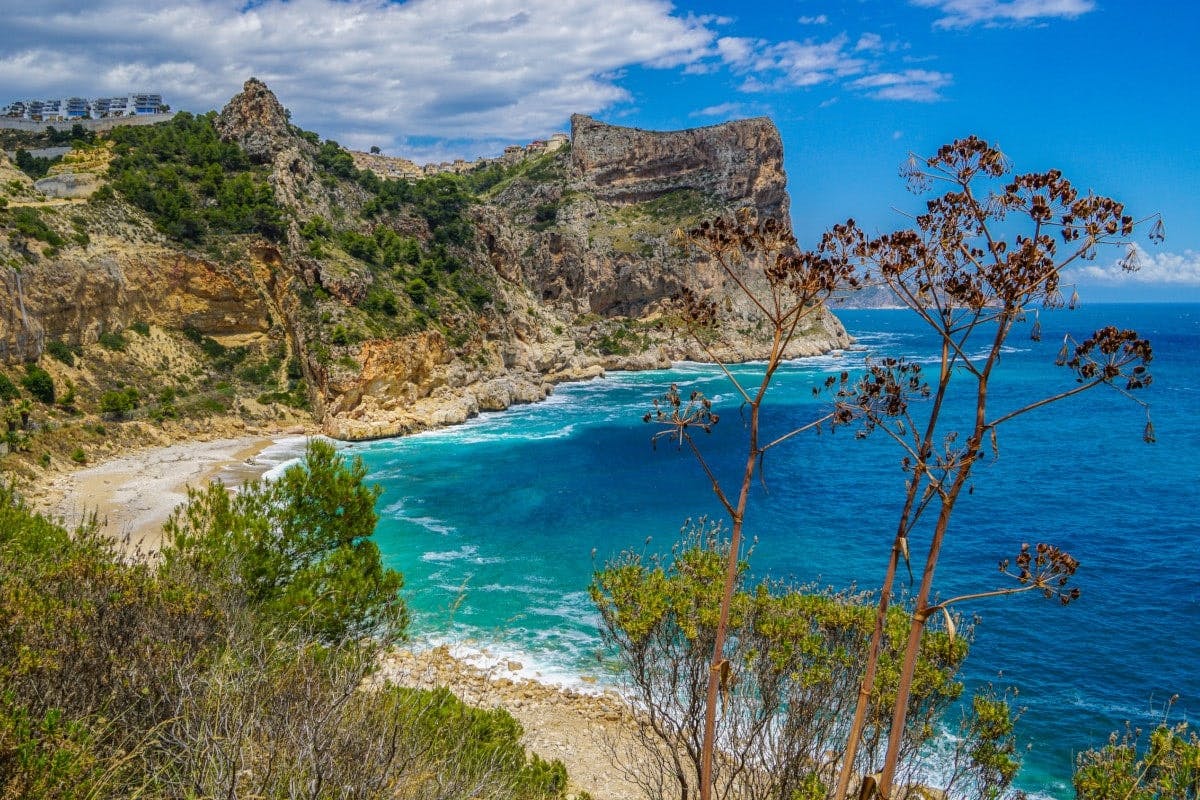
(965, 13)
(919, 85)
(1172, 269)
(473, 70)
(789, 63)
(869, 41)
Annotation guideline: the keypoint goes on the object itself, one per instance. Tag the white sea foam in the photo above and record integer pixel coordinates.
(468, 553)
(498, 657)
(431, 524)
(283, 453)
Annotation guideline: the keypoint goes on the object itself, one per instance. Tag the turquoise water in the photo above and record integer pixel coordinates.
(494, 523)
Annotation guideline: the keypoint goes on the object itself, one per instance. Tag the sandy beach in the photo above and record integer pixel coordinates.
(133, 494)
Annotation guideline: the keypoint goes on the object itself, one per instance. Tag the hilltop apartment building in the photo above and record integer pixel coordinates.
(72, 108)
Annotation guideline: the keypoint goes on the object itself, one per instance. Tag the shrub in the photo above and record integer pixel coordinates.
(299, 548)
(39, 384)
(28, 222)
(796, 655)
(34, 166)
(61, 351)
(140, 328)
(78, 456)
(119, 402)
(112, 340)
(8, 390)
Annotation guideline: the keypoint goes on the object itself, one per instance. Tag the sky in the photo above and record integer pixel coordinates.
(1108, 91)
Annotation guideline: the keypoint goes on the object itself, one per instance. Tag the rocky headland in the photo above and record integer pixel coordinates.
(378, 307)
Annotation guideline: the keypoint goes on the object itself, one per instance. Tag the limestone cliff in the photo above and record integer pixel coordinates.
(389, 306)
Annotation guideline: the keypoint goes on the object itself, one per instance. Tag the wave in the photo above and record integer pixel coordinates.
(467, 551)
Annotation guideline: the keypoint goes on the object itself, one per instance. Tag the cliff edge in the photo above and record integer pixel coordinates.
(262, 269)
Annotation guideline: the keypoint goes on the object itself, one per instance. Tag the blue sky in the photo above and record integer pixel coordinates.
(1104, 90)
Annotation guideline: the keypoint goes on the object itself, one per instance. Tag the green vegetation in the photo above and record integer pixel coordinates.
(1167, 767)
(237, 667)
(8, 390)
(61, 351)
(28, 222)
(119, 402)
(621, 339)
(112, 340)
(792, 670)
(39, 384)
(191, 183)
(34, 166)
(298, 548)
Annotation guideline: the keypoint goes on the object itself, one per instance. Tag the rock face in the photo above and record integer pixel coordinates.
(737, 162)
(572, 255)
(257, 121)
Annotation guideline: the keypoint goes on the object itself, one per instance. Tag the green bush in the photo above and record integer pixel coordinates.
(39, 384)
(299, 548)
(8, 390)
(1166, 767)
(61, 351)
(28, 222)
(140, 328)
(112, 340)
(544, 216)
(78, 456)
(797, 656)
(119, 402)
(34, 166)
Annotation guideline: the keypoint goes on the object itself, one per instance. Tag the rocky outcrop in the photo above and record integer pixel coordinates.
(573, 257)
(738, 162)
(257, 121)
(111, 285)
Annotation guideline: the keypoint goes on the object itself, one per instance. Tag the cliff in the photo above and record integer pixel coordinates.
(285, 276)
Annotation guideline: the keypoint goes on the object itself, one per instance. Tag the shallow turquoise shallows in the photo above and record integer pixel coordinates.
(494, 523)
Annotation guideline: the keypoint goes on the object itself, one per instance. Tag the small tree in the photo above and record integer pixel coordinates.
(39, 384)
(1167, 767)
(299, 548)
(962, 277)
(786, 286)
(788, 678)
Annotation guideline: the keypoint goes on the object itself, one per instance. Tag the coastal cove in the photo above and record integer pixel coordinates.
(464, 516)
(464, 513)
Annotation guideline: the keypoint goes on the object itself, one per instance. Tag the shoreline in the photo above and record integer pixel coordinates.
(587, 730)
(134, 492)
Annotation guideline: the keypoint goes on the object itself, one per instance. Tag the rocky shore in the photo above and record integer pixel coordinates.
(583, 729)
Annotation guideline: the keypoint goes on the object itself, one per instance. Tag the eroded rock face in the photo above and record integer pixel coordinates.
(740, 162)
(79, 295)
(579, 257)
(257, 121)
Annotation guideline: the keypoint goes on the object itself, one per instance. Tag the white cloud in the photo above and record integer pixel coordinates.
(869, 41)
(964, 13)
(468, 71)
(1175, 269)
(819, 19)
(919, 85)
(719, 110)
(788, 63)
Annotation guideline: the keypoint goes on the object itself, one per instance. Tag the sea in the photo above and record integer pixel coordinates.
(498, 524)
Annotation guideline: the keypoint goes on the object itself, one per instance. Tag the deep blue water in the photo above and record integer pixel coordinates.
(494, 523)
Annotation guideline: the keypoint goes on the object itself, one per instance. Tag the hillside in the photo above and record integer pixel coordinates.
(234, 267)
